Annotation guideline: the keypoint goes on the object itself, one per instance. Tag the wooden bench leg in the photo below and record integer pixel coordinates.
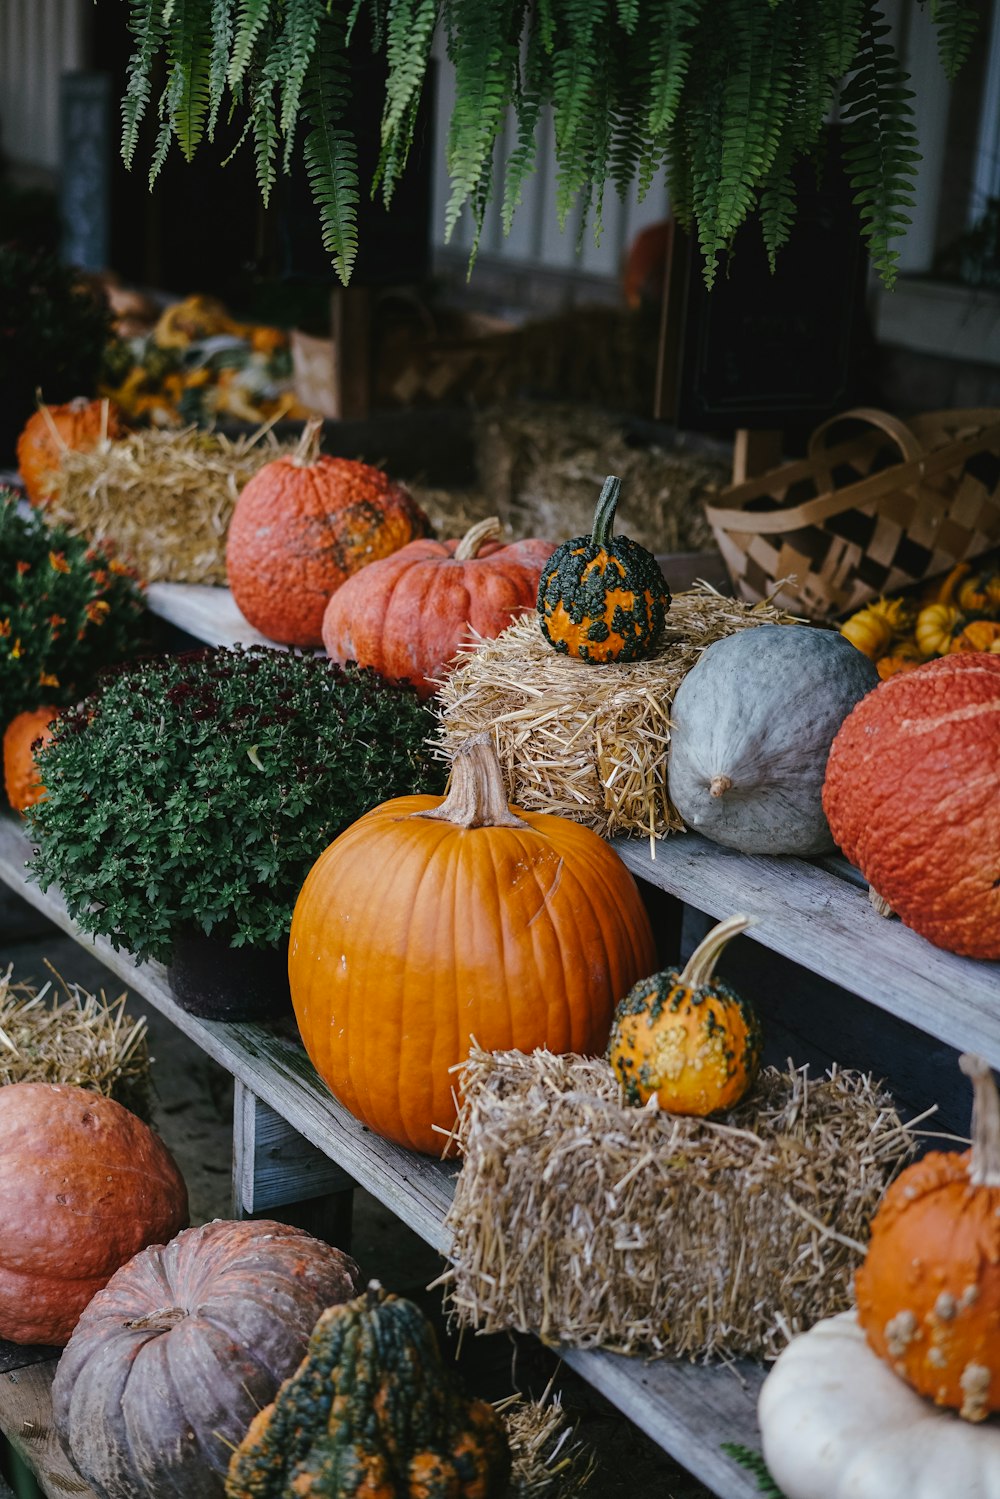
(278, 1174)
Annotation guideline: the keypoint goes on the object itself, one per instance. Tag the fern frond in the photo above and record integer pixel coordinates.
(189, 54)
(755, 104)
(577, 68)
(957, 22)
(834, 33)
(529, 91)
(777, 203)
(669, 46)
(755, 1464)
(482, 39)
(330, 152)
(880, 143)
(298, 38)
(264, 123)
(160, 148)
(146, 26)
(410, 28)
(253, 15)
(218, 68)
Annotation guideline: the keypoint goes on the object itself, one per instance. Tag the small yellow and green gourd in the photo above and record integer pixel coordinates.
(372, 1413)
(686, 1036)
(603, 598)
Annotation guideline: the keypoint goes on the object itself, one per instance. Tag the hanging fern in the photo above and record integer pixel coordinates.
(755, 1464)
(728, 95)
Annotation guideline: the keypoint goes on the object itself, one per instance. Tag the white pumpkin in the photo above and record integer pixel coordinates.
(837, 1423)
(750, 731)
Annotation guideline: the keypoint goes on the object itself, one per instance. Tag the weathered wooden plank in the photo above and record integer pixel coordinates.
(20, 1355)
(272, 1164)
(210, 614)
(690, 1409)
(826, 925)
(273, 1066)
(26, 1422)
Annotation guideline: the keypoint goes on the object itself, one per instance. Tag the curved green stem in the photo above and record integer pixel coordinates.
(604, 515)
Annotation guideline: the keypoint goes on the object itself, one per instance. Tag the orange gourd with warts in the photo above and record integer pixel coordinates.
(603, 597)
(928, 1291)
(431, 921)
(686, 1036)
(302, 525)
(81, 424)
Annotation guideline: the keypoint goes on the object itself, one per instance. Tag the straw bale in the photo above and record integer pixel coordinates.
(591, 1223)
(547, 1460)
(584, 741)
(82, 1040)
(162, 500)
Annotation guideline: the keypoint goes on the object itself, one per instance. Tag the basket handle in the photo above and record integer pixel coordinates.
(905, 439)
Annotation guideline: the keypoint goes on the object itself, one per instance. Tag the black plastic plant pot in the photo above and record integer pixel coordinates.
(214, 981)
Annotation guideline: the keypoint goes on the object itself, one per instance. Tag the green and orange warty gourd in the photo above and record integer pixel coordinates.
(172, 1360)
(84, 1185)
(686, 1036)
(22, 781)
(407, 614)
(80, 424)
(911, 797)
(301, 526)
(603, 597)
(928, 1292)
(372, 1413)
(431, 921)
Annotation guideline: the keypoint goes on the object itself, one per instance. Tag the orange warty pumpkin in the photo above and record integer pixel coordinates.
(911, 796)
(304, 524)
(49, 431)
(928, 1291)
(431, 921)
(84, 1186)
(407, 615)
(20, 773)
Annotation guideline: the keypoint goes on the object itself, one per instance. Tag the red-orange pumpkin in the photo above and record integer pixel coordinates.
(928, 1291)
(431, 921)
(911, 796)
(49, 431)
(407, 615)
(84, 1185)
(20, 773)
(301, 526)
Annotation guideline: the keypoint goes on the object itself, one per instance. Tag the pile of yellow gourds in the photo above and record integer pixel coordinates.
(960, 614)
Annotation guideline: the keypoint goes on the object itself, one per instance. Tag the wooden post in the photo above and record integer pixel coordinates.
(350, 327)
(278, 1174)
(755, 450)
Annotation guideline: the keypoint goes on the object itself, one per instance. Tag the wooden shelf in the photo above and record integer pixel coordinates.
(688, 1409)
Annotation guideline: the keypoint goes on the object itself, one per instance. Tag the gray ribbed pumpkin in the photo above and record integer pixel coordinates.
(751, 729)
(172, 1360)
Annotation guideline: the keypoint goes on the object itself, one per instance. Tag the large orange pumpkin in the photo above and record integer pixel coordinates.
(84, 1186)
(301, 526)
(928, 1291)
(407, 615)
(20, 773)
(431, 921)
(912, 795)
(49, 431)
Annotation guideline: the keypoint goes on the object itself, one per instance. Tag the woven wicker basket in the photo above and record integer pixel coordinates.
(890, 507)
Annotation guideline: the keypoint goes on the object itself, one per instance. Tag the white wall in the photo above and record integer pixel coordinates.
(39, 40)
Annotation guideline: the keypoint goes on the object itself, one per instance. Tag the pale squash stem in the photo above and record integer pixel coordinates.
(984, 1170)
(477, 796)
(482, 531)
(700, 965)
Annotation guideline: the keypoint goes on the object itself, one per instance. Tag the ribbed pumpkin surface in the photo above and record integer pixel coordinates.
(20, 773)
(300, 528)
(372, 1413)
(412, 935)
(171, 1361)
(407, 614)
(84, 1185)
(912, 795)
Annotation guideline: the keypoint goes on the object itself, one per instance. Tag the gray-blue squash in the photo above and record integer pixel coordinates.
(751, 729)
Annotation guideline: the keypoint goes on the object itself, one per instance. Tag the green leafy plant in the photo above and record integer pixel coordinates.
(67, 609)
(727, 94)
(755, 1464)
(52, 334)
(195, 792)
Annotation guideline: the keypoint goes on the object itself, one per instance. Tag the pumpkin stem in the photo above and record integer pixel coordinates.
(308, 449)
(984, 1169)
(719, 785)
(477, 797)
(475, 536)
(604, 515)
(700, 966)
(161, 1320)
(879, 903)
